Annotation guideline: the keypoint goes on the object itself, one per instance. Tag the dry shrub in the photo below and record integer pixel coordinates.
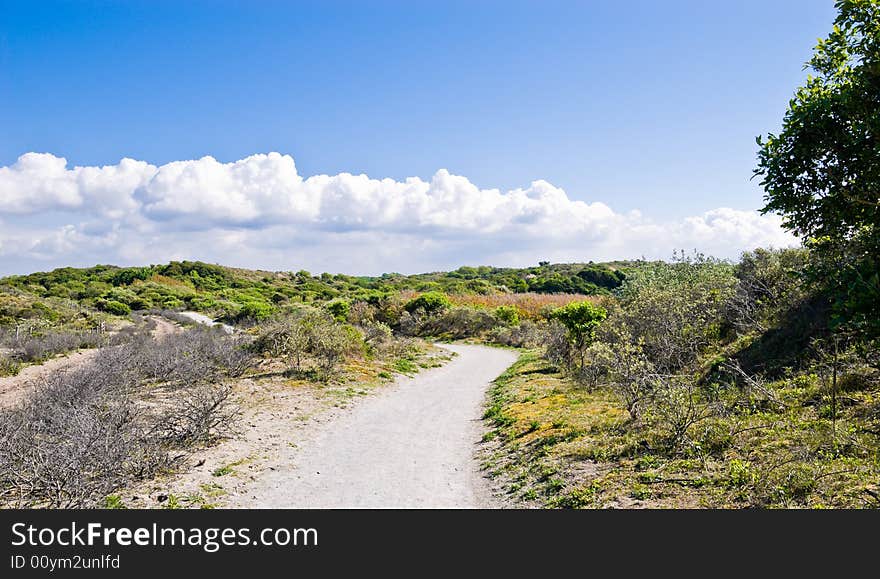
(527, 334)
(198, 415)
(361, 313)
(193, 355)
(678, 404)
(458, 322)
(313, 336)
(557, 346)
(86, 432)
(39, 346)
(78, 438)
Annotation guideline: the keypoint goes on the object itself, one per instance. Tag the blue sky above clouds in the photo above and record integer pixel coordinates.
(389, 136)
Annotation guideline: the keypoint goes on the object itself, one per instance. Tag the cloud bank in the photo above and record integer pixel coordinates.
(259, 212)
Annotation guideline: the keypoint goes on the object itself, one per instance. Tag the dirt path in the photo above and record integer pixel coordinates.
(163, 327)
(411, 446)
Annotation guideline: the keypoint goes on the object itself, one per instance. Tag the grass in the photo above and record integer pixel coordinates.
(114, 502)
(195, 500)
(558, 444)
(228, 469)
(529, 305)
(8, 367)
(222, 471)
(405, 366)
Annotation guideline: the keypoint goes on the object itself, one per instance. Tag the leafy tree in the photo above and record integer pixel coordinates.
(581, 320)
(822, 171)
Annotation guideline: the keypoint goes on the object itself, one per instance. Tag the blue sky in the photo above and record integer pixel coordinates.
(644, 105)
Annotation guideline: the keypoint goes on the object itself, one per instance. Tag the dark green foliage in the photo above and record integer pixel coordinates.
(601, 276)
(430, 303)
(339, 309)
(786, 345)
(822, 171)
(129, 275)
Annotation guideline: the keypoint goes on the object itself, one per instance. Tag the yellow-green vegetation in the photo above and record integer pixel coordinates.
(210, 493)
(114, 502)
(196, 500)
(560, 444)
(229, 468)
(405, 366)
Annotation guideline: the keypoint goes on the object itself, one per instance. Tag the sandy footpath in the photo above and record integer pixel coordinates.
(410, 446)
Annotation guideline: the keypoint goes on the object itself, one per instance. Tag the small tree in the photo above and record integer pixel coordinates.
(581, 320)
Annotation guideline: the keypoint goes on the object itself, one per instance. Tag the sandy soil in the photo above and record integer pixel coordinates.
(205, 320)
(163, 327)
(411, 446)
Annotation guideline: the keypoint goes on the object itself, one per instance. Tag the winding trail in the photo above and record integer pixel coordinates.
(411, 446)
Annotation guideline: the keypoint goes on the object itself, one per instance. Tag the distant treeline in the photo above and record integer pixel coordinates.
(238, 293)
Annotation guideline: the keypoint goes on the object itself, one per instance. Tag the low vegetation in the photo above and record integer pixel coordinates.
(127, 414)
(686, 397)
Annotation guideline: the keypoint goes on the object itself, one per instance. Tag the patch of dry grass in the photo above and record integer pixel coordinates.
(530, 305)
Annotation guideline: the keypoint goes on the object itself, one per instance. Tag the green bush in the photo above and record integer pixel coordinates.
(115, 308)
(507, 315)
(256, 311)
(129, 275)
(339, 309)
(431, 302)
(580, 320)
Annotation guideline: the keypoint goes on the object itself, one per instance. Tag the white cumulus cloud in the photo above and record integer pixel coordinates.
(259, 212)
